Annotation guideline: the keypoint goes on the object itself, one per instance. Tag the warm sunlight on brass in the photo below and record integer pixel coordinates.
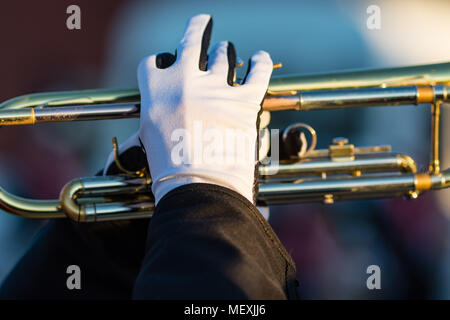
(277, 65)
(140, 173)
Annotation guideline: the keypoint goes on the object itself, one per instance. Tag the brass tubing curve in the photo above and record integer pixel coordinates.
(105, 186)
(30, 208)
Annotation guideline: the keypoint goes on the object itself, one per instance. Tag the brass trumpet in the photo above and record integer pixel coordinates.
(340, 172)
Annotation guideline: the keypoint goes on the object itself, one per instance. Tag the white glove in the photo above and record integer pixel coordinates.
(189, 111)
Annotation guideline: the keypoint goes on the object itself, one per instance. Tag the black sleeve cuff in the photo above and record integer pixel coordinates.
(209, 242)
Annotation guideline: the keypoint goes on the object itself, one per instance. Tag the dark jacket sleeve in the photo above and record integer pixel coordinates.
(204, 241)
(109, 255)
(208, 242)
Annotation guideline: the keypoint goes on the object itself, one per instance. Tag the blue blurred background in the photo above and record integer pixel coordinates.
(331, 245)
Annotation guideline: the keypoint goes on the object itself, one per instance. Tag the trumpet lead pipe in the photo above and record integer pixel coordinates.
(361, 97)
(309, 100)
(285, 92)
(14, 117)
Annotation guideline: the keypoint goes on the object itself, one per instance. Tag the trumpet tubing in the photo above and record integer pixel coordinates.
(341, 172)
(393, 86)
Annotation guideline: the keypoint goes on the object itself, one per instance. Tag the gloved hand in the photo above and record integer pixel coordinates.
(195, 126)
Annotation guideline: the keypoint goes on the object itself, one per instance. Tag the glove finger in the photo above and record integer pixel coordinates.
(259, 70)
(143, 71)
(193, 47)
(147, 63)
(218, 59)
(223, 60)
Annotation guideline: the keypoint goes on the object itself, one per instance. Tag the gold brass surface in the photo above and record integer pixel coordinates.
(435, 118)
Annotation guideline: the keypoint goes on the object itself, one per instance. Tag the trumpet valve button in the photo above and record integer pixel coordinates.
(340, 141)
(341, 150)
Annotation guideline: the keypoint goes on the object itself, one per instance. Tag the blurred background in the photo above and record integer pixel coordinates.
(331, 245)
